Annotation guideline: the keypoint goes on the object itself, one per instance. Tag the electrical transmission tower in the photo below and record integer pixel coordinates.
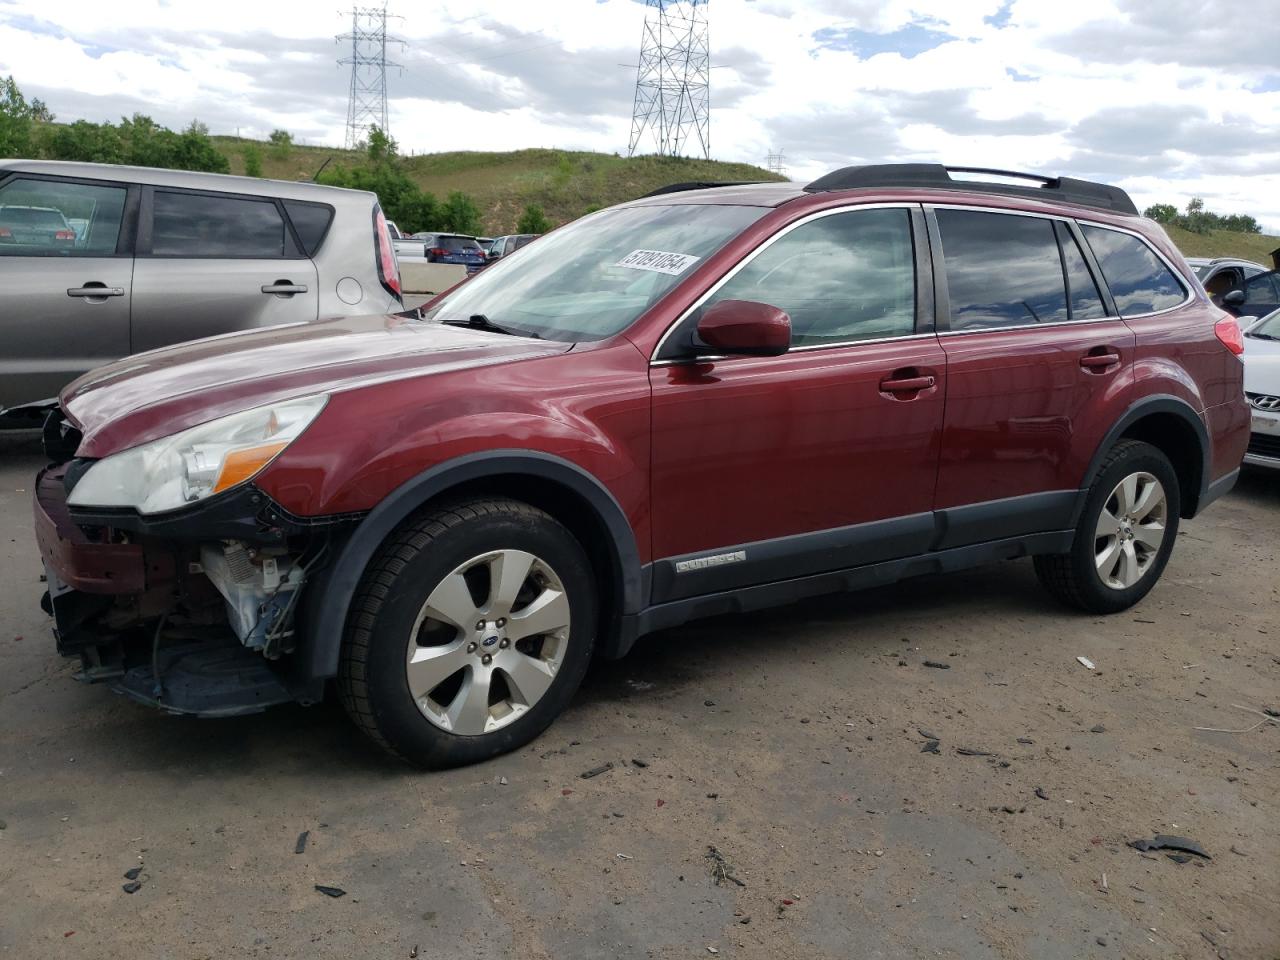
(673, 80)
(776, 163)
(367, 104)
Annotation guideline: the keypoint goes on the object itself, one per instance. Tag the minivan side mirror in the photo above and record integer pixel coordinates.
(743, 327)
(1233, 297)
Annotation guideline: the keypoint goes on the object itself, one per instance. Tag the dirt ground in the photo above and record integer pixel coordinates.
(789, 741)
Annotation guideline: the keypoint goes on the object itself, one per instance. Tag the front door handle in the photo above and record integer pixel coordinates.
(94, 289)
(1100, 361)
(284, 288)
(907, 384)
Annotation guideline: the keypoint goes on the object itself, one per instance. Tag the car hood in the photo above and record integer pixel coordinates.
(1262, 366)
(156, 394)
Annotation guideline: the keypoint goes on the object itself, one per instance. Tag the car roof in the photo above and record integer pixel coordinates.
(156, 176)
(918, 182)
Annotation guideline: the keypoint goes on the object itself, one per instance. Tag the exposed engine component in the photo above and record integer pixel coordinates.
(261, 591)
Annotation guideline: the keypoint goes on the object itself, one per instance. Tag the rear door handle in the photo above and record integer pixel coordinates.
(907, 384)
(1099, 361)
(95, 289)
(284, 288)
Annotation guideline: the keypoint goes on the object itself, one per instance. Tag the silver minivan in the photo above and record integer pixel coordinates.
(141, 258)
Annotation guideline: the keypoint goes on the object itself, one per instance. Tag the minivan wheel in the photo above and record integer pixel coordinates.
(1124, 536)
(471, 630)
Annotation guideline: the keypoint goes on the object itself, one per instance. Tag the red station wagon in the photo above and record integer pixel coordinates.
(708, 400)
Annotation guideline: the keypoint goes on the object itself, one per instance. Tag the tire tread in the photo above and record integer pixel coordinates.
(410, 539)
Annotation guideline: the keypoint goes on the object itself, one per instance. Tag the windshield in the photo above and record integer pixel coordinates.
(1267, 328)
(592, 279)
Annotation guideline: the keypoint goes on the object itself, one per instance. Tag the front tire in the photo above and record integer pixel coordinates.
(1125, 534)
(470, 632)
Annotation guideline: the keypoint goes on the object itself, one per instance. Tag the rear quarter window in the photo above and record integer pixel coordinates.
(311, 223)
(1139, 280)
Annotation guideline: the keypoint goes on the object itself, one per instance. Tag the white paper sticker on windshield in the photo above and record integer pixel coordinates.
(658, 261)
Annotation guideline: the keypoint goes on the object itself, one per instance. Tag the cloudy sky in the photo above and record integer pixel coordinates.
(1169, 98)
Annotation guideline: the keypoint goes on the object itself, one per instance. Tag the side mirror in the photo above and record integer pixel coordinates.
(743, 327)
(1233, 298)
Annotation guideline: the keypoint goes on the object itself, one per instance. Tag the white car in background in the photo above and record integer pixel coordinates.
(1262, 388)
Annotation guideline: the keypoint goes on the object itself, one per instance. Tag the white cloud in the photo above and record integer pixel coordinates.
(1026, 84)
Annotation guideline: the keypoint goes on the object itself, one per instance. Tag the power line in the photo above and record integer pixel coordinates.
(673, 79)
(367, 101)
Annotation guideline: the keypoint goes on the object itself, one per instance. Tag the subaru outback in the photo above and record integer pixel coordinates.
(704, 401)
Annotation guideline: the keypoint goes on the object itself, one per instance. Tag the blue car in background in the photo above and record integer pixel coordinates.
(453, 248)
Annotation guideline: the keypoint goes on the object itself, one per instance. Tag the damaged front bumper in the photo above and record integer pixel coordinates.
(194, 612)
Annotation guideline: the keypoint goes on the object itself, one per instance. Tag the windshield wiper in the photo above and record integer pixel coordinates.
(478, 321)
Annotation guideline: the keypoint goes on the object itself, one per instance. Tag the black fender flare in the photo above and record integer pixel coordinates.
(329, 598)
(1157, 403)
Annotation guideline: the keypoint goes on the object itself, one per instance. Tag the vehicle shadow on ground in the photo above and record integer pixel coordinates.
(815, 625)
(1258, 485)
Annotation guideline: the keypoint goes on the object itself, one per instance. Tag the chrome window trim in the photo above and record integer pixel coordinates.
(733, 271)
(1027, 326)
(808, 348)
(1083, 222)
(930, 208)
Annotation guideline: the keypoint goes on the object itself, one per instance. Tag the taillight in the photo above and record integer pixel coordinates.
(64, 234)
(1228, 331)
(437, 252)
(6, 233)
(388, 268)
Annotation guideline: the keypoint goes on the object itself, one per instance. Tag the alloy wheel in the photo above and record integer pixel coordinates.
(488, 642)
(1130, 530)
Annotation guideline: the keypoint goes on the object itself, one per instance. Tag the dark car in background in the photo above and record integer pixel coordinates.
(505, 246)
(1220, 275)
(1257, 296)
(453, 248)
(35, 227)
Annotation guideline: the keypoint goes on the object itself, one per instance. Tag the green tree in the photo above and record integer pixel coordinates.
(533, 220)
(252, 160)
(1161, 212)
(459, 214)
(281, 143)
(380, 147)
(15, 120)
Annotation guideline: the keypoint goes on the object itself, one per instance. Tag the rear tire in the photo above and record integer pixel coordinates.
(1125, 535)
(470, 632)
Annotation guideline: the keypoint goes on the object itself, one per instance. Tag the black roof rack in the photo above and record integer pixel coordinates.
(700, 185)
(1086, 193)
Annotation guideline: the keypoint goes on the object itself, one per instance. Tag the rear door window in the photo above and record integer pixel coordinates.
(204, 225)
(53, 218)
(1002, 270)
(1138, 278)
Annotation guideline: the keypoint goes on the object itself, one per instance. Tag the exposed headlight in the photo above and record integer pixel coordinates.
(174, 471)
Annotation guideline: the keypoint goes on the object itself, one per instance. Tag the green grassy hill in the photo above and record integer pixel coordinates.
(1224, 243)
(564, 183)
(568, 183)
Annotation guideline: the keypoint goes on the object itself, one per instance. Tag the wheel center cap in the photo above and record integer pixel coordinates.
(490, 641)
